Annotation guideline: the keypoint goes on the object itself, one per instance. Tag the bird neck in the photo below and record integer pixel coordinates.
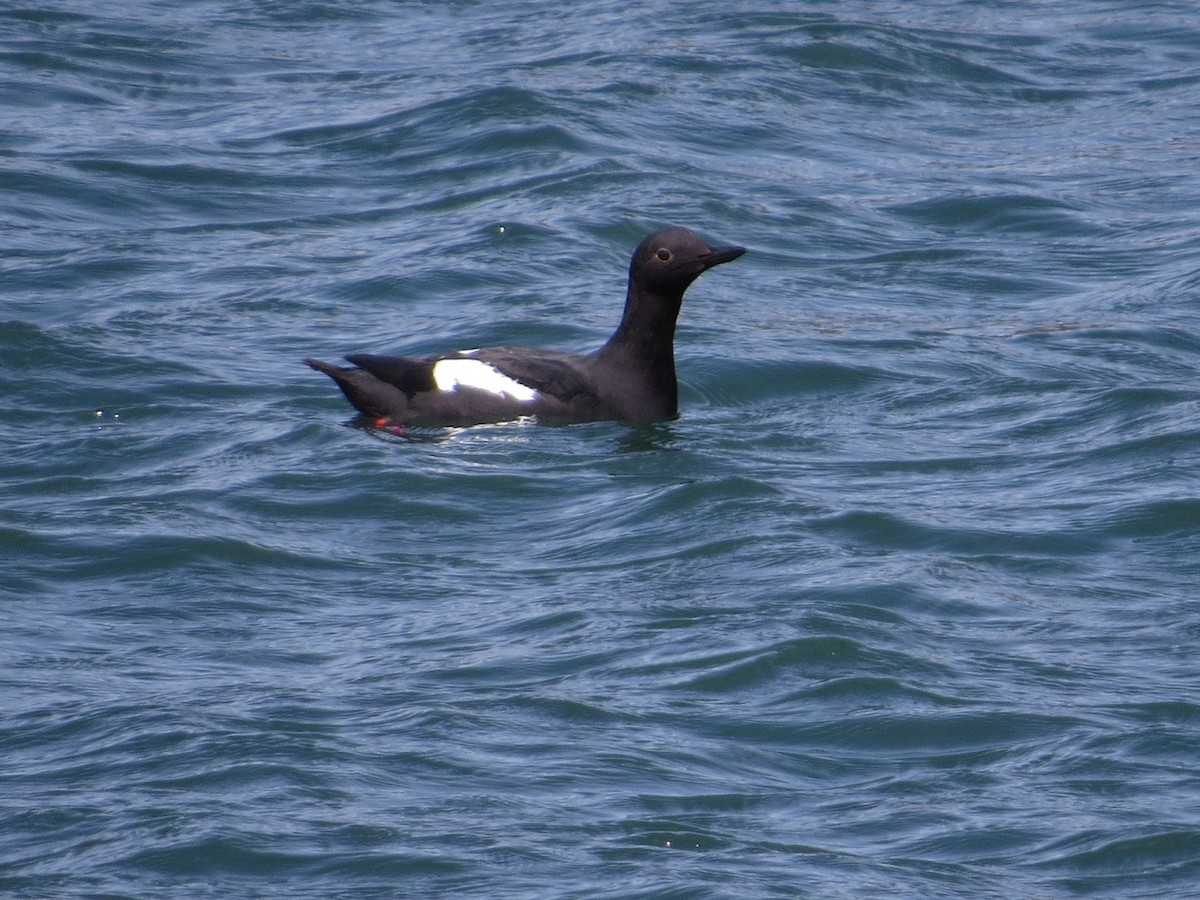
(647, 330)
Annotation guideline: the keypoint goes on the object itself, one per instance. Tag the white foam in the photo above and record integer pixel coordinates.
(450, 374)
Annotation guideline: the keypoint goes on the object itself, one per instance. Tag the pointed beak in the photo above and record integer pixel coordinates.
(718, 255)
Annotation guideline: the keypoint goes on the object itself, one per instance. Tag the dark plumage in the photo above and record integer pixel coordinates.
(630, 378)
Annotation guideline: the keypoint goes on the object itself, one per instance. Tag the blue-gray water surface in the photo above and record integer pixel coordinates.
(904, 603)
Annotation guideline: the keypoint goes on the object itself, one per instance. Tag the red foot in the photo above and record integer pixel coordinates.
(385, 424)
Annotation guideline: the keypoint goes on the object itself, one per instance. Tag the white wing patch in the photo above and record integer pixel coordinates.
(451, 374)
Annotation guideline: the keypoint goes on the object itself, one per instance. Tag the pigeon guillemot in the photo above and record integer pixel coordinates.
(631, 378)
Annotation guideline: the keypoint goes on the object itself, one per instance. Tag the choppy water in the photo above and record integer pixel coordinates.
(903, 604)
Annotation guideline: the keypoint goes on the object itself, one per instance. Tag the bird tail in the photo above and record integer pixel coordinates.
(366, 393)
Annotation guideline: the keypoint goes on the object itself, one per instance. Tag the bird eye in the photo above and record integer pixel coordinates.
(663, 253)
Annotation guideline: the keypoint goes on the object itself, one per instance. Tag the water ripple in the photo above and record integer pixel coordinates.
(900, 604)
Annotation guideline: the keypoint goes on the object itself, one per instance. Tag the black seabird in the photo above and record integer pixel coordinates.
(631, 378)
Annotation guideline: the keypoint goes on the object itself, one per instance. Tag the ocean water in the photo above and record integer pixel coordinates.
(903, 604)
